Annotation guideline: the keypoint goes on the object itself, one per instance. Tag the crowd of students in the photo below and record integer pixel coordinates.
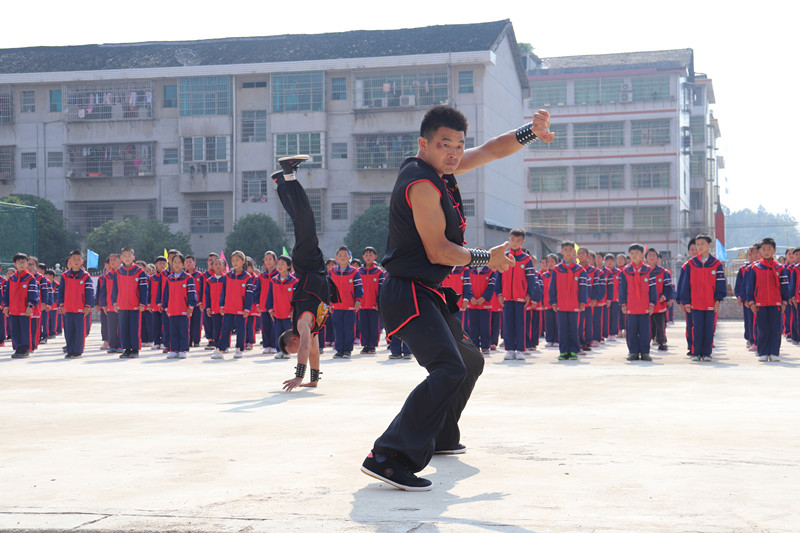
(574, 302)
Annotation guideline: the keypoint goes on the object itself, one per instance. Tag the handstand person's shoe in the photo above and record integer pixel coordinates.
(290, 163)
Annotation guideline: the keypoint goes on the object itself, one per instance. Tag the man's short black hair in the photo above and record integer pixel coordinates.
(770, 241)
(284, 339)
(442, 116)
(635, 246)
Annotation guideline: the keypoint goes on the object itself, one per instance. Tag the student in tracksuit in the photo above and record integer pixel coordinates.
(479, 307)
(129, 296)
(3, 317)
(702, 293)
(550, 317)
(179, 301)
(49, 331)
(208, 327)
(599, 316)
(105, 299)
(692, 251)
(516, 287)
(637, 298)
(767, 293)
(213, 287)
(196, 320)
(262, 287)
(279, 300)
(235, 301)
(457, 280)
(348, 282)
(44, 302)
(532, 317)
(664, 293)
(20, 297)
(613, 296)
(372, 277)
(568, 296)
(586, 322)
(794, 270)
(75, 300)
(738, 291)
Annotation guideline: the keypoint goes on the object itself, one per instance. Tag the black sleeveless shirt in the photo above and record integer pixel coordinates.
(405, 254)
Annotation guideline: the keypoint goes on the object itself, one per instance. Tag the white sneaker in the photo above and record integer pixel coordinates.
(509, 356)
(763, 358)
(266, 351)
(775, 358)
(217, 354)
(182, 355)
(279, 355)
(172, 355)
(286, 355)
(519, 356)
(612, 338)
(156, 347)
(238, 354)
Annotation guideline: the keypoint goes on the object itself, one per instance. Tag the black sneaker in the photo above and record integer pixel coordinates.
(64, 349)
(452, 450)
(133, 354)
(365, 350)
(395, 356)
(346, 355)
(72, 356)
(278, 174)
(645, 357)
(125, 355)
(20, 354)
(338, 355)
(662, 347)
(633, 357)
(394, 472)
(290, 163)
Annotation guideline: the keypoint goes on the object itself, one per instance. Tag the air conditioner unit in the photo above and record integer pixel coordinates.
(626, 87)
(624, 97)
(380, 102)
(408, 100)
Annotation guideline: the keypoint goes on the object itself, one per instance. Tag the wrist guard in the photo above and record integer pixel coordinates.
(525, 134)
(300, 371)
(478, 257)
(315, 374)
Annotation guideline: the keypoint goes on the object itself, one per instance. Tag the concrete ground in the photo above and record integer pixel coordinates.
(600, 444)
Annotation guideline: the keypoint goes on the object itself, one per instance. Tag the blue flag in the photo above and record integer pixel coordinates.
(722, 255)
(92, 259)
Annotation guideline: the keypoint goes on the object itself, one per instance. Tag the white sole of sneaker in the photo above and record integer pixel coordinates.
(372, 474)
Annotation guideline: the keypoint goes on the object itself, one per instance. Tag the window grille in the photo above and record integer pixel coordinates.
(206, 154)
(339, 211)
(315, 198)
(650, 132)
(255, 184)
(28, 102)
(170, 215)
(466, 82)
(338, 88)
(384, 151)
(108, 100)
(6, 105)
(599, 219)
(651, 176)
(300, 91)
(208, 216)
(28, 160)
(393, 89)
(650, 88)
(597, 135)
(254, 84)
(55, 101)
(254, 126)
(55, 159)
(697, 165)
(468, 205)
(559, 141)
(170, 156)
(204, 96)
(698, 127)
(548, 221)
(339, 150)
(548, 94)
(362, 202)
(547, 179)
(83, 217)
(599, 177)
(110, 160)
(170, 96)
(300, 143)
(651, 217)
(6, 164)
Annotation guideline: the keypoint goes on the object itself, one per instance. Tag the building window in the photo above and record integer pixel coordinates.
(393, 89)
(300, 143)
(170, 96)
(55, 159)
(384, 151)
(208, 216)
(547, 221)
(28, 102)
(339, 211)
(559, 141)
(468, 207)
(548, 94)
(362, 202)
(110, 160)
(338, 88)
(254, 186)
(598, 135)
(696, 199)
(28, 160)
(599, 219)
(650, 132)
(55, 101)
(254, 126)
(206, 96)
(315, 198)
(601, 91)
(466, 82)
(651, 176)
(697, 165)
(170, 215)
(599, 177)
(206, 154)
(339, 150)
(170, 156)
(83, 217)
(698, 127)
(300, 91)
(6, 106)
(108, 100)
(547, 179)
(651, 217)
(254, 84)
(650, 88)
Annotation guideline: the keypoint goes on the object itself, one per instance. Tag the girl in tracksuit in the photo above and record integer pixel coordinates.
(235, 302)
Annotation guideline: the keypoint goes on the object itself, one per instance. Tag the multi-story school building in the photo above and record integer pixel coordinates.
(634, 159)
(189, 132)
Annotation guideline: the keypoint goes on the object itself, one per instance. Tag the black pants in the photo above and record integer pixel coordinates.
(658, 327)
(429, 417)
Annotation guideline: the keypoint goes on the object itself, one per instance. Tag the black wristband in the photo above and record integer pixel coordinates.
(300, 371)
(315, 374)
(525, 134)
(478, 257)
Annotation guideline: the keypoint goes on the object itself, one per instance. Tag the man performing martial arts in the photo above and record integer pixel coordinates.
(312, 294)
(426, 234)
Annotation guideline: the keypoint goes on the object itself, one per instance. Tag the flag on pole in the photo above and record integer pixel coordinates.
(285, 251)
(722, 255)
(92, 259)
(166, 254)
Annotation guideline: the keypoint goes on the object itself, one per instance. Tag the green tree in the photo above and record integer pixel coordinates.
(55, 240)
(255, 234)
(370, 229)
(147, 237)
(744, 227)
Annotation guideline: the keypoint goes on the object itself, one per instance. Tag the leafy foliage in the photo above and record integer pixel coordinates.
(55, 240)
(370, 229)
(744, 227)
(255, 234)
(147, 237)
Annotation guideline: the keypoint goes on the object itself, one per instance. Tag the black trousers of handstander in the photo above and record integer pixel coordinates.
(429, 417)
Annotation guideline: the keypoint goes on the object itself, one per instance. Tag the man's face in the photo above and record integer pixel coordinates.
(293, 345)
(516, 241)
(444, 150)
(369, 257)
(569, 254)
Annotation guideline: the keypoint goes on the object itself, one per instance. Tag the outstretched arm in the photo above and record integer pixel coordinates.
(504, 145)
(304, 324)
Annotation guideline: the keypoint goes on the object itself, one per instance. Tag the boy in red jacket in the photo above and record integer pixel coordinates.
(664, 293)
(348, 282)
(129, 296)
(568, 296)
(20, 297)
(179, 302)
(372, 277)
(279, 300)
(75, 300)
(766, 294)
(235, 301)
(516, 288)
(637, 298)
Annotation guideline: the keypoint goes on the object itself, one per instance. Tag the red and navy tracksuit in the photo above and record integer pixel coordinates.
(550, 318)
(235, 297)
(747, 313)
(36, 318)
(568, 290)
(213, 287)
(457, 280)
(179, 295)
(704, 285)
(658, 320)
(532, 315)
(679, 301)
(369, 316)
(196, 320)
(279, 300)
(794, 271)
(208, 327)
(348, 282)
(637, 292)
(479, 322)
(21, 292)
(106, 287)
(75, 293)
(600, 312)
(515, 284)
(128, 293)
(767, 284)
(3, 318)
(261, 288)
